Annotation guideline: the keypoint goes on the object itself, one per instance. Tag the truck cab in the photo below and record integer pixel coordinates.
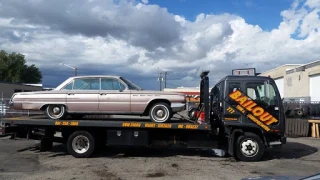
(249, 104)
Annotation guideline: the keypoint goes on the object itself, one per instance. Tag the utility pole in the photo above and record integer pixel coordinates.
(74, 68)
(160, 79)
(165, 79)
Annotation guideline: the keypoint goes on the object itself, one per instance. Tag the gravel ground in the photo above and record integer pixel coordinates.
(21, 159)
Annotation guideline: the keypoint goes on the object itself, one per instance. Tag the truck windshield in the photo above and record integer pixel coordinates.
(130, 84)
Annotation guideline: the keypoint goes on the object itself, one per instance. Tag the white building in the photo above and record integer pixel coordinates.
(297, 82)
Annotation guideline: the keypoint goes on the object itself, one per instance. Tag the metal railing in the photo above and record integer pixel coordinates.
(6, 111)
(302, 109)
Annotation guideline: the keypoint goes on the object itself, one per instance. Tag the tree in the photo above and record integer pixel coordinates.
(13, 68)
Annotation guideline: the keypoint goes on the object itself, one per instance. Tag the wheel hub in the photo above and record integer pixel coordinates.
(160, 113)
(80, 144)
(56, 110)
(249, 147)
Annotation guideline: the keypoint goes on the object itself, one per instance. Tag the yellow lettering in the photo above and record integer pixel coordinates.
(164, 125)
(257, 111)
(273, 120)
(247, 103)
(150, 125)
(230, 110)
(242, 99)
(259, 123)
(249, 107)
(234, 95)
(180, 126)
(131, 124)
(125, 124)
(265, 116)
(192, 126)
(240, 108)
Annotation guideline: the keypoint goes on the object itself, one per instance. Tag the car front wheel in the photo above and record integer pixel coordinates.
(160, 112)
(54, 111)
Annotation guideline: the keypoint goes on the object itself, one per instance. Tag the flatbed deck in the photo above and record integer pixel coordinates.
(112, 123)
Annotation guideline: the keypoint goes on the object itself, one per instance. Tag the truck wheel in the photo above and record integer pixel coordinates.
(249, 147)
(81, 144)
(55, 111)
(160, 112)
(191, 113)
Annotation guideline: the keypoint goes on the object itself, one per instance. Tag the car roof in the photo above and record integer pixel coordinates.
(97, 76)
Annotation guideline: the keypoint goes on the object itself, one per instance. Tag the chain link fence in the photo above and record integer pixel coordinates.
(6, 111)
(309, 110)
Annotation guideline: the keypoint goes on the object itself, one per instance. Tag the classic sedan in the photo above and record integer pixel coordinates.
(81, 95)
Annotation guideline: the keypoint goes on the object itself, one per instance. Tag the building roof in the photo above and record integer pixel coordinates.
(304, 66)
(22, 84)
(285, 65)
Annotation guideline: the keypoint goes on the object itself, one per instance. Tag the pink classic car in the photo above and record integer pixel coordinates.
(81, 95)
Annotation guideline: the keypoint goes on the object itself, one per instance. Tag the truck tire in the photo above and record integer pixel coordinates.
(312, 110)
(317, 109)
(160, 112)
(191, 113)
(249, 147)
(81, 144)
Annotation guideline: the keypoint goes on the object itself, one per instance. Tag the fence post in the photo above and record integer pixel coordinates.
(2, 103)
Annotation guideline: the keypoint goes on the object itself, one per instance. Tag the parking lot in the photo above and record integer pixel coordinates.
(21, 159)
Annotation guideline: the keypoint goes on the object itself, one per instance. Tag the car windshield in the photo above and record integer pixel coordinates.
(130, 84)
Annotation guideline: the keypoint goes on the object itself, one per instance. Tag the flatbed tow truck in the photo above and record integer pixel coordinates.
(241, 116)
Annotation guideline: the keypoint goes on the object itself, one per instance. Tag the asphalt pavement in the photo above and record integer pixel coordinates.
(21, 159)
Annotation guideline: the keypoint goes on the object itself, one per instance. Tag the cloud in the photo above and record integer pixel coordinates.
(135, 39)
(145, 1)
(188, 78)
(148, 26)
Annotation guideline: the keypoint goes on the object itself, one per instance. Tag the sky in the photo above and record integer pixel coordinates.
(138, 39)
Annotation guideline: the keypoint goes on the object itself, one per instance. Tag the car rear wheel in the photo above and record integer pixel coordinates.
(160, 112)
(55, 111)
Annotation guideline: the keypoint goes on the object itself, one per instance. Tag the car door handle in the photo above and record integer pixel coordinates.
(70, 94)
(103, 94)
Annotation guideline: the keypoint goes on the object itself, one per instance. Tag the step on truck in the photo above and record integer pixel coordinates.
(240, 116)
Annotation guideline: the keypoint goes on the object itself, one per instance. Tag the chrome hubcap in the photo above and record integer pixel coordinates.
(80, 144)
(160, 113)
(56, 110)
(249, 147)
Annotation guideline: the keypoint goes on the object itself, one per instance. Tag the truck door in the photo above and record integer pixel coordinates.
(265, 95)
(253, 102)
(230, 113)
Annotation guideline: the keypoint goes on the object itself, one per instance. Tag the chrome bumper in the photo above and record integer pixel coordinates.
(177, 107)
(11, 103)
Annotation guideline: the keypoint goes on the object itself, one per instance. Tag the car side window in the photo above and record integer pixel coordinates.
(68, 87)
(111, 84)
(86, 84)
(106, 84)
(117, 85)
